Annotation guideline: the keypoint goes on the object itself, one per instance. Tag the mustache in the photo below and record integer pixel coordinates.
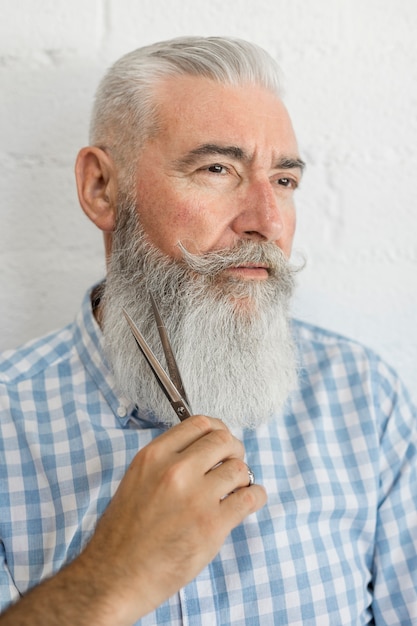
(212, 263)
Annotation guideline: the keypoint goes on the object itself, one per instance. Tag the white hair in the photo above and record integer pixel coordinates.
(232, 338)
(125, 111)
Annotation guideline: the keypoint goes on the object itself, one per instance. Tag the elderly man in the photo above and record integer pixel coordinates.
(127, 515)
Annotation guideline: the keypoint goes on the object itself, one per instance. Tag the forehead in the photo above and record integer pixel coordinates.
(200, 110)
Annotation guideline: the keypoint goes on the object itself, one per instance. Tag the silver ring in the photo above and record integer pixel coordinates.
(251, 476)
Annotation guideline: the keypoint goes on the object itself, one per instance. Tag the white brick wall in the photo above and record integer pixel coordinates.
(350, 72)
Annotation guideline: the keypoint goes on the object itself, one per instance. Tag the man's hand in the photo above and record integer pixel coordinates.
(167, 520)
(170, 516)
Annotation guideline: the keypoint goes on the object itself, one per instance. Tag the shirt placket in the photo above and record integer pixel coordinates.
(197, 601)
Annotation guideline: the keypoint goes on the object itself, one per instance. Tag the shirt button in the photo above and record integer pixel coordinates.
(121, 411)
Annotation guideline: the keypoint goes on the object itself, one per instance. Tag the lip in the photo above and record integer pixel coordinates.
(249, 271)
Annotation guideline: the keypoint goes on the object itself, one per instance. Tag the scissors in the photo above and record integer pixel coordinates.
(171, 385)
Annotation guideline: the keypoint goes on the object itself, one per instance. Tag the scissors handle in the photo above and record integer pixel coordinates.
(181, 409)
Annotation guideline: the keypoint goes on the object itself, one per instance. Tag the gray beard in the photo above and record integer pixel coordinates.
(231, 337)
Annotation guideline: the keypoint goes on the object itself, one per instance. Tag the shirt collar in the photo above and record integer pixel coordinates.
(89, 342)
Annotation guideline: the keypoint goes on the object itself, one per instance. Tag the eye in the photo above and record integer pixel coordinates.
(216, 168)
(287, 182)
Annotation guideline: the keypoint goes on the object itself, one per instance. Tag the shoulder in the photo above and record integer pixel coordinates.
(320, 344)
(36, 356)
(347, 370)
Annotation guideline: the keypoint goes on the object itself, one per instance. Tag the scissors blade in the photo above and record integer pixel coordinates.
(178, 403)
(173, 370)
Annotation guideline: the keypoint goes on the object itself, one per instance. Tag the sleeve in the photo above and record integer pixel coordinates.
(395, 555)
(8, 589)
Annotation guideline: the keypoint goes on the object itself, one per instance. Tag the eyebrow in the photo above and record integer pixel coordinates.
(211, 149)
(289, 163)
(234, 152)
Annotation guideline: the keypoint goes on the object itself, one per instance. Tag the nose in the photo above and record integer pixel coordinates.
(260, 216)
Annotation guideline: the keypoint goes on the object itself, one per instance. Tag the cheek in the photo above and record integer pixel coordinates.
(188, 214)
(168, 221)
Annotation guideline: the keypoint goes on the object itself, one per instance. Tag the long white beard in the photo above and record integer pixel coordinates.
(231, 337)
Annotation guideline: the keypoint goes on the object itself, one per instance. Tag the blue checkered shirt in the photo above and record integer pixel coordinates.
(337, 541)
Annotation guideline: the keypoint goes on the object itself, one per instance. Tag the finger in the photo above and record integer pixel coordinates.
(242, 502)
(211, 450)
(184, 434)
(227, 477)
(176, 446)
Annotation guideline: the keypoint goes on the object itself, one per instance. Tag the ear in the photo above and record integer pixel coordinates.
(96, 178)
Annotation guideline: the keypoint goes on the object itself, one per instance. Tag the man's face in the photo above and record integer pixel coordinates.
(218, 177)
(222, 167)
